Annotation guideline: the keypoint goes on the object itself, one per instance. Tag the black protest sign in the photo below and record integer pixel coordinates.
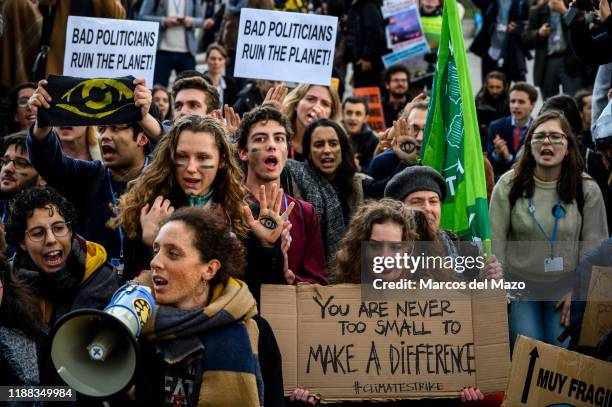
(86, 102)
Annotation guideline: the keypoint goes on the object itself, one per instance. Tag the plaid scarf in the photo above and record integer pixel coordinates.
(317, 190)
(226, 333)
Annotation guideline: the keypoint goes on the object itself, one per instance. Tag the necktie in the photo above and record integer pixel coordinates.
(517, 138)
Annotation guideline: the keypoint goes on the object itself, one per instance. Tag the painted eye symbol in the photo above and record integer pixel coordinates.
(268, 222)
(95, 98)
(408, 146)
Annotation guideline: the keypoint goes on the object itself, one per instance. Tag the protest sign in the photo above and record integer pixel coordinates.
(547, 375)
(107, 48)
(344, 349)
(404, 31)
(597, 320)
(85, 102)
(280, 46)
(376, 116)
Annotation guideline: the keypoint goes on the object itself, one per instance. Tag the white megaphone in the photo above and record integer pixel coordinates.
(96, 352)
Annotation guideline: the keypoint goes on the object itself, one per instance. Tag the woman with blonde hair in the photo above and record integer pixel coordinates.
(306, 104)
(80, 142)
(194, 165)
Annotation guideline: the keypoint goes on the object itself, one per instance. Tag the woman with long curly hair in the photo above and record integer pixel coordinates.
(546, 213)
(306, 104)
(385, 220)
(194, 165)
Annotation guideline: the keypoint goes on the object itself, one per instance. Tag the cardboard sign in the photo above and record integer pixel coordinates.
(281, 46)
(597, 320)
(427, 346)
(108, 48)
(376, 116)
(547, 375)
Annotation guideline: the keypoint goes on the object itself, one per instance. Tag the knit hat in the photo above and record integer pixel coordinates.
(413, 179)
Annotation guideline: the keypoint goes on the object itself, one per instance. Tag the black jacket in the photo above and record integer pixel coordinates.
(537, 16)
(248, 98)
(364, 143)
(366, 31)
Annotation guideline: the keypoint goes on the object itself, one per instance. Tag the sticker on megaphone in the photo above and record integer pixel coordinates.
(133, 305)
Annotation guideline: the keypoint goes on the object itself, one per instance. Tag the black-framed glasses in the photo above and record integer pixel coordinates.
(553, 137)
(38, 233)
(19, 163)
(115, 128)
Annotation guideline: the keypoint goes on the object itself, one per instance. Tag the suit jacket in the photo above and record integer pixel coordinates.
(193, 9)
(502, 127)
(537, 16)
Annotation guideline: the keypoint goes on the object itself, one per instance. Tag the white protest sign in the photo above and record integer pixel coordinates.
(292, 47)
(107, 48)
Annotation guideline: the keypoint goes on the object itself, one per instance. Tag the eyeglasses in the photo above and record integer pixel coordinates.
(38, 234)
(22, 101)
(115, 128)
(19, 163)
(553, 137)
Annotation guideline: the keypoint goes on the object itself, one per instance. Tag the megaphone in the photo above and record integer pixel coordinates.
(96, 352)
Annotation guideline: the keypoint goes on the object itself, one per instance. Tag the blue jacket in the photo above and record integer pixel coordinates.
(504, 128)
(87, 184)
(193, 8)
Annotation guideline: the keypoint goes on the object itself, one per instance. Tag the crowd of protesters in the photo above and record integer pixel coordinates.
(225, 183)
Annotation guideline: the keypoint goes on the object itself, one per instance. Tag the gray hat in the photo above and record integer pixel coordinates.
(413, 179)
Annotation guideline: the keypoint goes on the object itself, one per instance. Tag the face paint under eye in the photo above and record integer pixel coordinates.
(23, 174)
(206, 166)
(255, 150)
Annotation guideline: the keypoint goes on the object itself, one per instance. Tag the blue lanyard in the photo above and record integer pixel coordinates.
(116, 207)
(553, 238)
(4, 208)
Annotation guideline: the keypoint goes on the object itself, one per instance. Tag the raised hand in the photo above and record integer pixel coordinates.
(151, 217)
(275, 97)
(269, 225)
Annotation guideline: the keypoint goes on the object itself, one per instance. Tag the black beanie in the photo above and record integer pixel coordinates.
(415, 178)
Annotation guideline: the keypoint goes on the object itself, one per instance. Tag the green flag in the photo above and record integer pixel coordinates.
(452, 139)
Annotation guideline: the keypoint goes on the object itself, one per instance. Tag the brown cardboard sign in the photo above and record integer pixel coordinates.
(547, 375)
(597, 320)
(342, 348)
(376, 116)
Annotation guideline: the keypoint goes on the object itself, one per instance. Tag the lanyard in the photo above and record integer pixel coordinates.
(116, 207)
(4, 208)
(552, 239)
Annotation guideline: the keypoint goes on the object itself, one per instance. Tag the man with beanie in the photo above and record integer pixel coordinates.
(423, 188)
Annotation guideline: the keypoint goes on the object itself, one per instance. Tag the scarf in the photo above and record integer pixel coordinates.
(317, 190)
(202, 200)
(20, 353)
(60, 288)
(226, 333)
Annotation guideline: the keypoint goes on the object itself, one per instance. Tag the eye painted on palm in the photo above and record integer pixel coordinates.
(268, 222)
(408, 146)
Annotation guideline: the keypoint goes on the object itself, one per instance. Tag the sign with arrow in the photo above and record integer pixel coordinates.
(547, 375)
